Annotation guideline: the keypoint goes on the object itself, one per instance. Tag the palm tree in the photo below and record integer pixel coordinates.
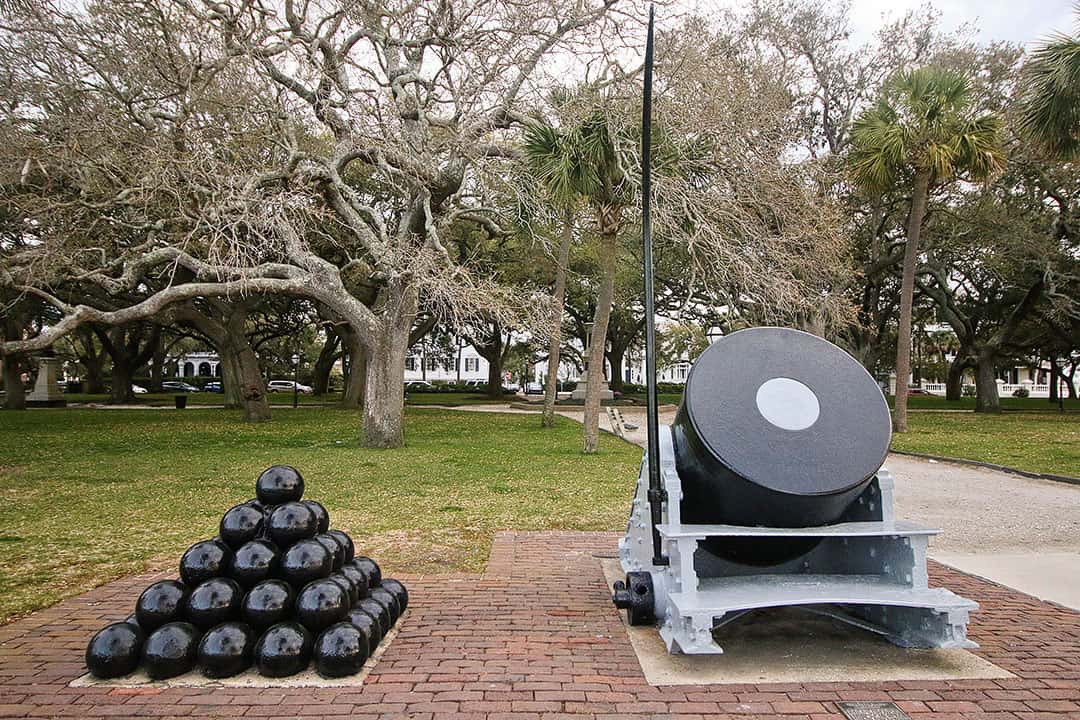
(581, 164)
(922, 133)
(1050, 106)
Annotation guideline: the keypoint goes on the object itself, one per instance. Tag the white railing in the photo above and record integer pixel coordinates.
(1004, 389)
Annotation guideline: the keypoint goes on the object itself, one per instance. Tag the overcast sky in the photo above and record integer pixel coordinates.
(1023, 21)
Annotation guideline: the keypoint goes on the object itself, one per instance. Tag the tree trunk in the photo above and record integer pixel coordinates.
(356, 372)
(384, 391)
(122, 372)
(92, 360)
(253, 388)
(231, 381)
(986, 389)
(495, 370)
(615, 359)
(14, 391)
(907, 296)
(324, 364)
(598, 340)
(551, 384)
(157, 367)
(1052, 397)
(954, 381)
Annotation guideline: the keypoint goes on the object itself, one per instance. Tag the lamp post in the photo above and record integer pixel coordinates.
(714, 334)
(1060, 362)
(296, 380)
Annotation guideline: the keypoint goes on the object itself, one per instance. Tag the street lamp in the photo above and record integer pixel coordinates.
(714, 334)
(1060, 362)
(295, 380)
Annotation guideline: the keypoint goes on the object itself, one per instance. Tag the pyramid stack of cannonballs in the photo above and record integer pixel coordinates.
(275, 590)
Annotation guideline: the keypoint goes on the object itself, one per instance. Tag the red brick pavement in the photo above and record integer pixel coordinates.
(536, 638)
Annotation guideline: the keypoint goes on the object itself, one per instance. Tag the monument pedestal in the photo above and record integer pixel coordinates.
(579, 391)
(46, 391)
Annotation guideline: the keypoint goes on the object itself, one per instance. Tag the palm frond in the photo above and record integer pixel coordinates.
(1050, 108)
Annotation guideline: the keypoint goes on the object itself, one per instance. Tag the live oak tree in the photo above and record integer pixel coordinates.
(354, 135)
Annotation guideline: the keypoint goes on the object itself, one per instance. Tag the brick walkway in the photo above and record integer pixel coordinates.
(536, 637)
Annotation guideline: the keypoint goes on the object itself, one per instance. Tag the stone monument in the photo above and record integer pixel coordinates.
(579, 391)
(46, 391)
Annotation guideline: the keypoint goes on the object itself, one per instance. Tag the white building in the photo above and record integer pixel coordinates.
(197, 364)
(465, 366)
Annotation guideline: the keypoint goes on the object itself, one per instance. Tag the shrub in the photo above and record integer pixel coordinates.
(968, 391)
(1020, 392)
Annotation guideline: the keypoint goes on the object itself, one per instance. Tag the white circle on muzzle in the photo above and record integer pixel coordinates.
(788, 404)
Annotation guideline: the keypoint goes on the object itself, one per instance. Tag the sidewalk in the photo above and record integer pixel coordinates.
(536, 638)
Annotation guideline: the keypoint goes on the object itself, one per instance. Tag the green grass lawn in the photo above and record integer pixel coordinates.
(446, 399)
(1037, 442)
(91, 495)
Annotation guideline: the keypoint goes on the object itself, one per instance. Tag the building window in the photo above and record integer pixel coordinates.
(410, 363)
(472, 364)
(432, 364)
(204, 369)
(189, 369)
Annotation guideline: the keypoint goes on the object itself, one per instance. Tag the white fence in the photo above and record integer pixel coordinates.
(1004, 389)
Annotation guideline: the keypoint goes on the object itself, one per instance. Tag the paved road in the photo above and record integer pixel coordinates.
(1017, 531)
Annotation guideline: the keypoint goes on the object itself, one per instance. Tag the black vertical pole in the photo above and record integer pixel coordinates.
(657, 495)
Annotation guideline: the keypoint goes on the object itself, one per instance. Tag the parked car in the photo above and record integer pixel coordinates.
(287, 386)
(534, 389)
(138, 389)
(418, 385)
(213, 386)
(918, 391)
(511, 387)
(178, 386)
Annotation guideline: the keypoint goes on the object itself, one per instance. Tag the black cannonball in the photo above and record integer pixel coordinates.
(348, 585)
(379, 611)
(305, 561)
(337, 550)
(279, 484)
(213, 602)
(321, 515)
(381, 594)
(346, 543)
(366, 623)
(170, 650)
(226, 650)
(340, 650)
(283, 650)
(359, 579)
(397, 589)
(161, 603)
(114, 650)
(371, 568)
(268, 603)
(320, 604)
(254, 562)
(291, 522)
(204, 560)
(240, 524)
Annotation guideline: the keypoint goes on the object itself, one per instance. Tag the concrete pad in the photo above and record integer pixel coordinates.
(1047, 576)
(787, 646)
(247, 679)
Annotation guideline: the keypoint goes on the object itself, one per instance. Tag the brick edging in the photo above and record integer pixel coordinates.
(990, 466)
